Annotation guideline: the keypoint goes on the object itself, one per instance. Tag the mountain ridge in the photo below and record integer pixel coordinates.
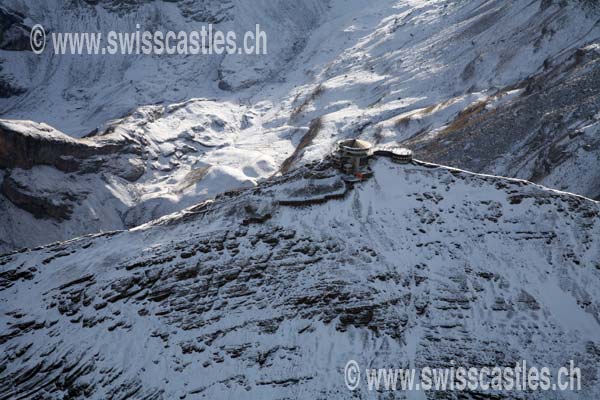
(239, 293)
(391, 73)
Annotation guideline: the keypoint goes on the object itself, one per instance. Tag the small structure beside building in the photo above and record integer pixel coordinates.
(399, 155)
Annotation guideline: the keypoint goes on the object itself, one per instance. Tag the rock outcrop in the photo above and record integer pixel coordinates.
(25, 144)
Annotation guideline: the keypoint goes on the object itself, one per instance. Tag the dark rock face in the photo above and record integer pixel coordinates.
(60, 182)
(14, 35)
(40, 207)
(206, 11)
(40, 145)
(8, 90)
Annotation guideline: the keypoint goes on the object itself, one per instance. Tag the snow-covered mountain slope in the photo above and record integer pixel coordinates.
(269, 291)
(78, 93)
(430, 65)
(546, 131)
(164, 160)
(390, 71)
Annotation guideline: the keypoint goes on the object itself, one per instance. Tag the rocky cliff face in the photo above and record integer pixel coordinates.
(503, 88)
(250, 296)
(14, 34)
(51, 180)
(27, 144)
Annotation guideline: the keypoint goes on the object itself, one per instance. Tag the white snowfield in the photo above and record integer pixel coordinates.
(247, 297)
